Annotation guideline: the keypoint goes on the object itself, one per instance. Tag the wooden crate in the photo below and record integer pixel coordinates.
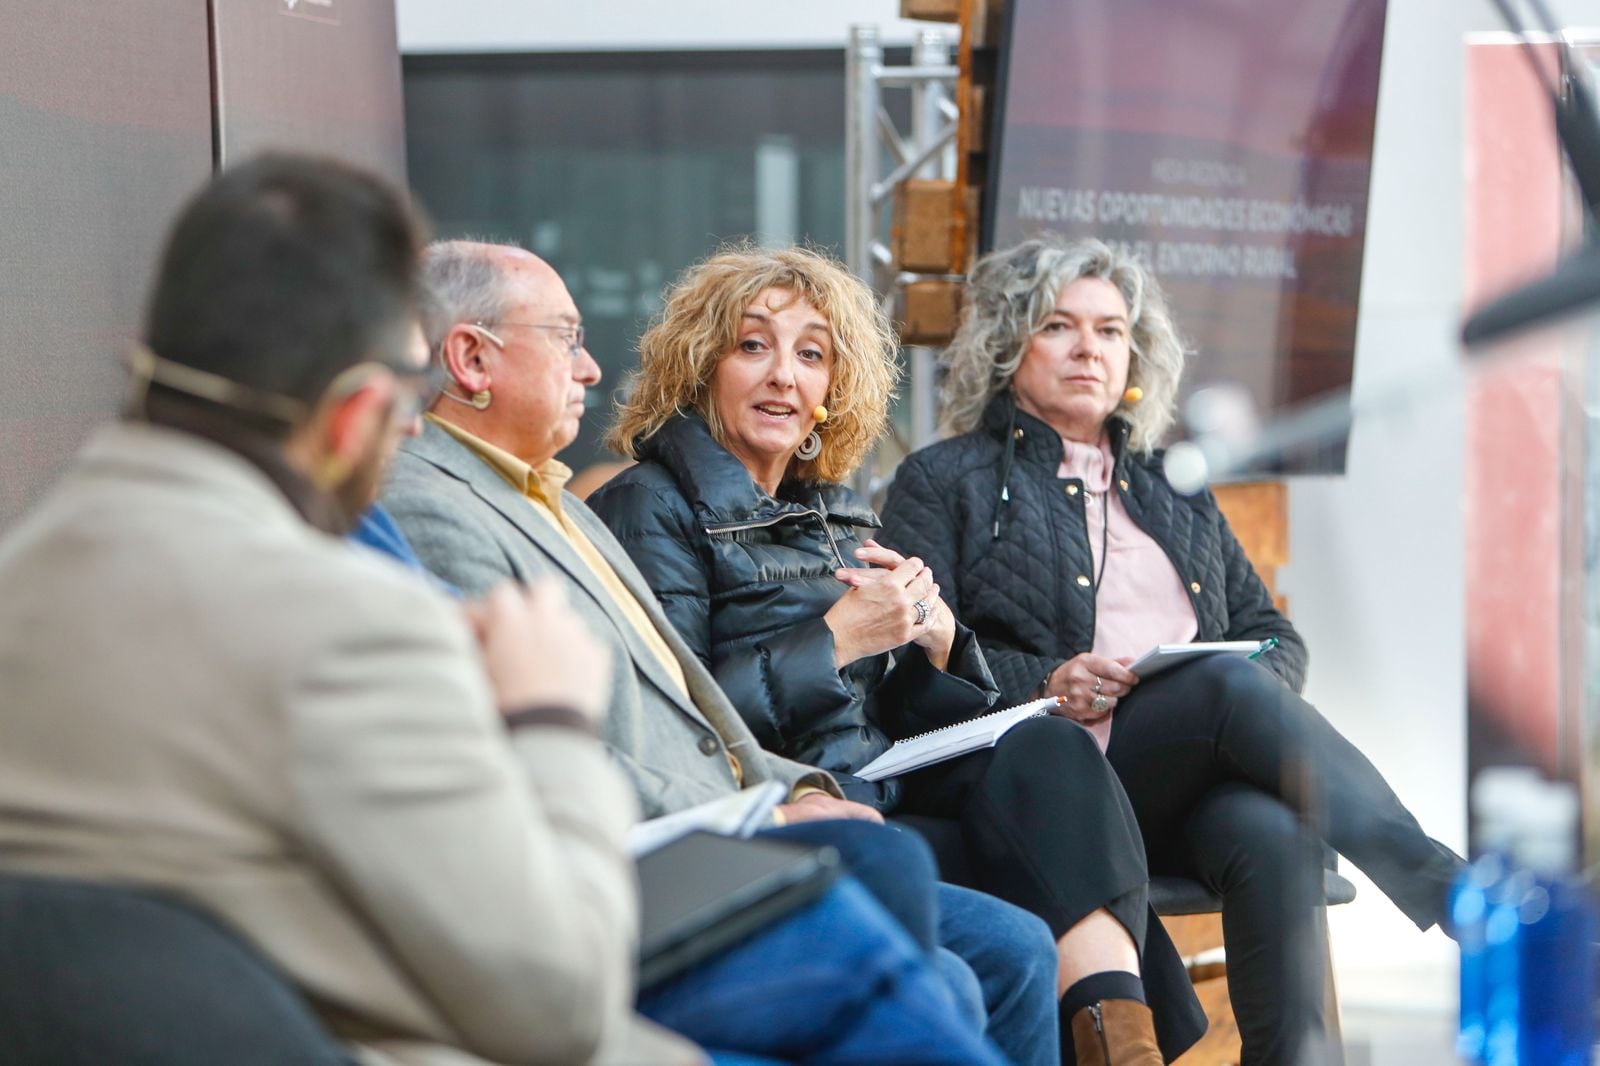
(931, 10)
(924, 225)
(931, 311)
(1258, 511)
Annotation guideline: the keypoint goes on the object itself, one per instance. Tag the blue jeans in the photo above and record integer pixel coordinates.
(836, 982)
(1002, 949)
(1014, 958)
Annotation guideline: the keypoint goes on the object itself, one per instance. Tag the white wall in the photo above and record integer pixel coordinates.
(1376, 578)
(626, 25)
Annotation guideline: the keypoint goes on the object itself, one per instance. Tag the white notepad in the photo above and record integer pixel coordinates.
(1166, 656)
(736, 815)
(974, 734)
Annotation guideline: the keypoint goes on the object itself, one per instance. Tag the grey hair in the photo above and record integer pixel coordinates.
(1009, 294)
(461, 282)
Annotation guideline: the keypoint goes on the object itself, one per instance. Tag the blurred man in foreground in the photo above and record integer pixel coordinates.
(403, 805)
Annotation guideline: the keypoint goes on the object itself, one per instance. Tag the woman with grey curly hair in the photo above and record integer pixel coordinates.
(1061, 545)
(1012, 295)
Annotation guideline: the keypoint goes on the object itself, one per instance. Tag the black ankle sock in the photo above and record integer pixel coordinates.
(1107, 984)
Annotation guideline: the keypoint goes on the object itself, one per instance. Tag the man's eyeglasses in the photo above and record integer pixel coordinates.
(573, 334)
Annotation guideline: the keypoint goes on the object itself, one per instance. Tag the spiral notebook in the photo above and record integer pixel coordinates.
(936, 746)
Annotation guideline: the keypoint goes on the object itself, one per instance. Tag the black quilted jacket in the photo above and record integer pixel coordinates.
(746, 578)
(1017, 570)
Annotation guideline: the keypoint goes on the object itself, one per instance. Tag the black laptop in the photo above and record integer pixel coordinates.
(704, 892)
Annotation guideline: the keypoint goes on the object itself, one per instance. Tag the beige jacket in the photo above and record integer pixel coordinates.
(203, 695)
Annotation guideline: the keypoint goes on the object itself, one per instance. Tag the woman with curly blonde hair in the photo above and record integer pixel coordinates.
(704, 312)
(763, 383)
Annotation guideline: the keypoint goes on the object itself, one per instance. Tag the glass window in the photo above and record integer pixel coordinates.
(620, 169)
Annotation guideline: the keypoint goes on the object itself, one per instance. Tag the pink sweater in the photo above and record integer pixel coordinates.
(1141, 601)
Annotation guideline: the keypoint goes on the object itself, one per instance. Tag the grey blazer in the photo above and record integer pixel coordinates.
(474, 529)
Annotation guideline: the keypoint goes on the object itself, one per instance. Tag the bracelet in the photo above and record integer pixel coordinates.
(1042, 689)
(557, 716)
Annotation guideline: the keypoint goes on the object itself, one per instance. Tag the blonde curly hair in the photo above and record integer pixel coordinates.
(699, 324)
(1009, 295)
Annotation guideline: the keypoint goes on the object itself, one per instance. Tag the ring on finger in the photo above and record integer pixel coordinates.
(1097, 684)
(1100, 704)
(922, 611)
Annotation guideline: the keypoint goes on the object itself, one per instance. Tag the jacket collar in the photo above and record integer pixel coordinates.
(441, 450)
(449, 455)
(720, 489)
(255, 481)
(1039, 442)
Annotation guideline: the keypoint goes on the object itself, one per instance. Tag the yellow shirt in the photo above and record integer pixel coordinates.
(542, 488)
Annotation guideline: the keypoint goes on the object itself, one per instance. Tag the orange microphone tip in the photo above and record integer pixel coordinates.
(819, 413)
(1133, 394)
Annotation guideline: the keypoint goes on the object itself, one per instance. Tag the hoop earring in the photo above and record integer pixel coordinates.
(810, 447)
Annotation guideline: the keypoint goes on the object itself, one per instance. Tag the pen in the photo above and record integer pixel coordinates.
(1266, 646)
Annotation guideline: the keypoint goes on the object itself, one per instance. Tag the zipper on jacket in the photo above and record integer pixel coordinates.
(827, 531)
(763, 523)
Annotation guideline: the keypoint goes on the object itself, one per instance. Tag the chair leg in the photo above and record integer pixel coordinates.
(1195, 935)
(1335, 1028)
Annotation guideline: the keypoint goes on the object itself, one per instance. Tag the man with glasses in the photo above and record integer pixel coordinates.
(480, 497)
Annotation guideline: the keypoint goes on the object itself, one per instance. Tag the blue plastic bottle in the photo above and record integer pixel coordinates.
(1502, 969)
(1498, 794)
(1557, 929)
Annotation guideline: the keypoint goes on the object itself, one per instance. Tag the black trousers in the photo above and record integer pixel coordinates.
(1048, 828)
(1236, 781)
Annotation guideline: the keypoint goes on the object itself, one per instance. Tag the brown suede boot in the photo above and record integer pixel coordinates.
(1115, 1032)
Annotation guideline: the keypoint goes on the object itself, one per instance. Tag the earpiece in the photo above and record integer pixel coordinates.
(1132, 395)
(819, 414)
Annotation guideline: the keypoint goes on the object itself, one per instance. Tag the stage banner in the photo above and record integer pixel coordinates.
(1227, 145)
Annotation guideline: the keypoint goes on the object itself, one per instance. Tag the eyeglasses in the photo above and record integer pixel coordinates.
(574, 334)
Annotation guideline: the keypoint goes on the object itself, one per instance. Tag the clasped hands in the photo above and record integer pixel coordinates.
(878, 612)
(1085, 678)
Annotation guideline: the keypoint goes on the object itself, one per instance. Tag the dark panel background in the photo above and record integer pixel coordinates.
(105, 123)
(317, 75)
(621, 169)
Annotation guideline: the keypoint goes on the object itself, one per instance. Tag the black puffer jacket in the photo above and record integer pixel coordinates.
(746, 578)
(1017, 570)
